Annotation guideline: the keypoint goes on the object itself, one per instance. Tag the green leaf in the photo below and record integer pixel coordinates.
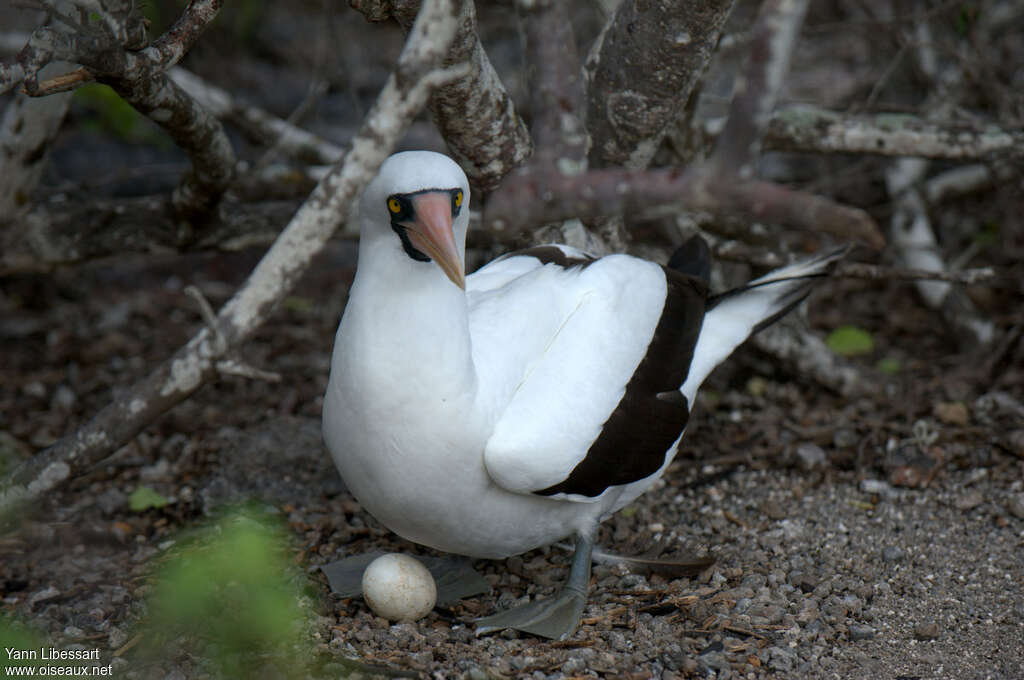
(144, 498)
(848, 341)
(889, 365)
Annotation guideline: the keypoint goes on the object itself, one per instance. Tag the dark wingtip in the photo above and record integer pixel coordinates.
(693, 258)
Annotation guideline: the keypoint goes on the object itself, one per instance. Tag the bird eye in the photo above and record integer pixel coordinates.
(394, 205)
(458, 198)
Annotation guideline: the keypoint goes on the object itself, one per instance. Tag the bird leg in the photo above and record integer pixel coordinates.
(557, 617)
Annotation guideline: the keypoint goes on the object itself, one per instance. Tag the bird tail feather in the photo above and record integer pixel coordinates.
(735, 315)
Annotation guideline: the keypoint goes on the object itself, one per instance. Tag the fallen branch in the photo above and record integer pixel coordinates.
(404, 94)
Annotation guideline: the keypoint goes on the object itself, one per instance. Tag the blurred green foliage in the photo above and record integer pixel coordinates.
(16, 636)
(230, 594)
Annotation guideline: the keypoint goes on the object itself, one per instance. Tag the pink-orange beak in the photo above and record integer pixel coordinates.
(431, 233)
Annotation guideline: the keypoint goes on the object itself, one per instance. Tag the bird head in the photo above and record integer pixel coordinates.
(419, 204)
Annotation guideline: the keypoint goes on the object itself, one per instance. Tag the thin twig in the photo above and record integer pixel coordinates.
(871, 272)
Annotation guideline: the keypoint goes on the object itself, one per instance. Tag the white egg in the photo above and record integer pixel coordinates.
(399, 588)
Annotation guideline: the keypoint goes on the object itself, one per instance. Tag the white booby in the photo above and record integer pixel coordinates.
(492, 414)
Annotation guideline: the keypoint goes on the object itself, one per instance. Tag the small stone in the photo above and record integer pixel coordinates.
(879, 487)
(1015, 505)
(859, 632)
(810, 456)
(892, 553)
(63, 398)
(773, 510)
(1016, 441)
(715, 661)
(845, 437)
(781, 659)
(969, 501)
(952, 413)
(927, 631)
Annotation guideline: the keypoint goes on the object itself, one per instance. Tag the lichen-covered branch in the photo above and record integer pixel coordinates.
(641, 72)
(811, 129)
(113, 51)
(474, 112)
(27, 128)
(403, 96)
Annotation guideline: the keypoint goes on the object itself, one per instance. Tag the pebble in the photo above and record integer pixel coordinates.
(1015, 505)
(781, 659)
(927, 631)
(773, 510)
(859, 632)
(715, 661)
(952, 413)
(969, 501)
(892, 553)
(880, 487)
(810, 456)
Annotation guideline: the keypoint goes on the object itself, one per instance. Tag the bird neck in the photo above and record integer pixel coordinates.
(411, 324)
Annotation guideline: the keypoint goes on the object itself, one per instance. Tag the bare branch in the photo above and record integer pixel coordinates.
(668, 47)
(10, 76)
(806, 128)
(915, 243)
(757, 87)
(540, 195)
(556, 87)
(404, 94)
(168, 49)
(192, 127)
(474, 113)
(257, 124)
(27, 128)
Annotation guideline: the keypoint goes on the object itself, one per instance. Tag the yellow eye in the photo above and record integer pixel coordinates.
(394, 205)
(458, 198)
